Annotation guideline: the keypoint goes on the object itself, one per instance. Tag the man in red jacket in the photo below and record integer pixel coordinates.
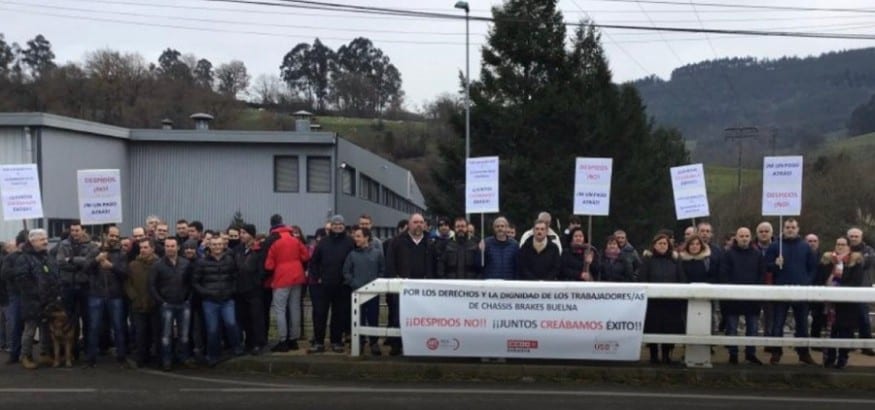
(285, 258)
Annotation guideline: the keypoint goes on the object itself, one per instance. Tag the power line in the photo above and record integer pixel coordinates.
(746, 6)
(619, 47)
(382, 10)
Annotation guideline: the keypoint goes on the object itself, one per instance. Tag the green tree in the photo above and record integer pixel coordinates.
(538, 105)
(233, 78)
(203, 73)
(6, 57)
(38, 56)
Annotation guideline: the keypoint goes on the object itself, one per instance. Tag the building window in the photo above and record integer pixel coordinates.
(370, 189)
(285, 174)
(347, 180)
(319, 174)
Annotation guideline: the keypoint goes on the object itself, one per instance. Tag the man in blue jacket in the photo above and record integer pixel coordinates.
(793, 263)
(500, 252)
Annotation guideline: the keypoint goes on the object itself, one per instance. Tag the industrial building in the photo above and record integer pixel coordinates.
(207, 174)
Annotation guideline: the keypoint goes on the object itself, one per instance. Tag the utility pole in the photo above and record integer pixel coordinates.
(739, 134)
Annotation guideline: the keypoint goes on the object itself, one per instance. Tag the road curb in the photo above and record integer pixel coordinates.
(411, 369)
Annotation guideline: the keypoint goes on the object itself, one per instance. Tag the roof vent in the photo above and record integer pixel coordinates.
(167, 124)
(201, 120)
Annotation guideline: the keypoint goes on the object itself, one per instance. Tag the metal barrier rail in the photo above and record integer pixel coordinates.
(698, 338)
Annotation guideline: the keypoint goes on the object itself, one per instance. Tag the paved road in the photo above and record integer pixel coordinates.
(108, 387)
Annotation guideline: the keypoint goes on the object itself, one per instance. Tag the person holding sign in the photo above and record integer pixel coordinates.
(792, 263)
(664, 316)
(580, 260)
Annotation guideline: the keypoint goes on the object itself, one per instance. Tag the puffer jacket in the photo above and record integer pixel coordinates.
(107, 283)
(215, 278)
(363, 265)
(500, 258)
(285, 258)
(137, 283)
(170, 283)
(39, 281)
(72, 257)
(618, 269)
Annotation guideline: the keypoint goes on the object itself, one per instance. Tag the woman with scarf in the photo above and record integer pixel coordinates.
(844, 268)
(579, 262)
(660, 264)
(696, 261)
(613, 265)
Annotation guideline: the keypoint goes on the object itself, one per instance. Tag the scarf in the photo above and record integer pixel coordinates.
(838, 267)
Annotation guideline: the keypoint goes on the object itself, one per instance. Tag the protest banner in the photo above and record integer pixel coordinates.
(20, 192)
(690, 195)
(522, 319)
(100, 196)
(481, 185)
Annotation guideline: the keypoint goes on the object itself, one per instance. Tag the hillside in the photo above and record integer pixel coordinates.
(803, 98)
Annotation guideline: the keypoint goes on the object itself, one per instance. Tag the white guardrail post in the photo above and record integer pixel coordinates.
(698, 339)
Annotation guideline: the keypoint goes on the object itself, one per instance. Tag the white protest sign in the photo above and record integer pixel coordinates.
(690, 195)
(782, 185)
(20, 192)
(100, 196)
(481, 185)
(522, 319)
(592, 186)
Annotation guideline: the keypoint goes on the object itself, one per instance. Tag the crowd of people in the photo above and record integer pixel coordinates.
(165, 300)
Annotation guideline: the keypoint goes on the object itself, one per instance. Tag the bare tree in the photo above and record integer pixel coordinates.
(233, 78)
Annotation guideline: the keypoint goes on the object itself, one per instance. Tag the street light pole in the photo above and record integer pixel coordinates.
(463, 5)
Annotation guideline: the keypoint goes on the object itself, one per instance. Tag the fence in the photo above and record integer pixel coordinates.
(698, 338)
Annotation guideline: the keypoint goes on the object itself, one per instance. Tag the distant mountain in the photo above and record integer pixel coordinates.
(802, 98)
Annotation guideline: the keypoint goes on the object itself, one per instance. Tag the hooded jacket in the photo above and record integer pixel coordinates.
(328, 258)
(363, 265)
(285, 258)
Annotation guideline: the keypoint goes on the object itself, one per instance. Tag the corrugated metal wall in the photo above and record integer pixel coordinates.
(11, 152)
(64, 153)
(210, 181)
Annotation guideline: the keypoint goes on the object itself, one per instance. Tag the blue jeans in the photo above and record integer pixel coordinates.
(800, 314)
(181, 314)
(751, 328)
(98, 308)
(224, 311)
(14, 326)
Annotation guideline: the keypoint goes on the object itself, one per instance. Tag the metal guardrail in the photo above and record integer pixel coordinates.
(698, 338)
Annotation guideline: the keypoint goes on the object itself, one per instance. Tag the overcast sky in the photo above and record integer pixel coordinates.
(428, 52)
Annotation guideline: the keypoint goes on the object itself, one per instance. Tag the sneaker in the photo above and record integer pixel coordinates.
(28, 363)
(752, 359)
(733, 359)
(316, 348)
(293, 345)
(281, 347)
(337, 348)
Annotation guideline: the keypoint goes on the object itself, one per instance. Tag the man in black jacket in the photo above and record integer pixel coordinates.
(73, 261)
(14, 321)
(250, 306)
(742, 264)
(106, 273)
(329, 292)
(410, 255)
(38, 280)
(457, 259)
(215, 279)
(170, 286)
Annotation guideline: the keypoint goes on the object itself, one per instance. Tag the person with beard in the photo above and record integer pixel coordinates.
(660, 264)
(146, 322)
(742, 265)
(38, 279)
(846, 269)
(628, 251)
(73, 261)
(170, 286)
(410, 255)
(855, 239)
(539, 257)
(181, 231)
(457, 257)
(233, 239)
(580, 260)
(106, 296)
(326, 268)
(793, 264)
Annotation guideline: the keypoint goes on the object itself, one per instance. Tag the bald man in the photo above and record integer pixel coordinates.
(742, 265)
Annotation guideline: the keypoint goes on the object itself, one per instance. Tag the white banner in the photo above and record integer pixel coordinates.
(100, 196)
(561, 320)
(481, 185)
(592, 186)
(690, 195)
(20, 192)
(782, 185)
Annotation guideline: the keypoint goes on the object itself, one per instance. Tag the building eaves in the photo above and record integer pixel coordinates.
(40, 119)
(233, 136)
